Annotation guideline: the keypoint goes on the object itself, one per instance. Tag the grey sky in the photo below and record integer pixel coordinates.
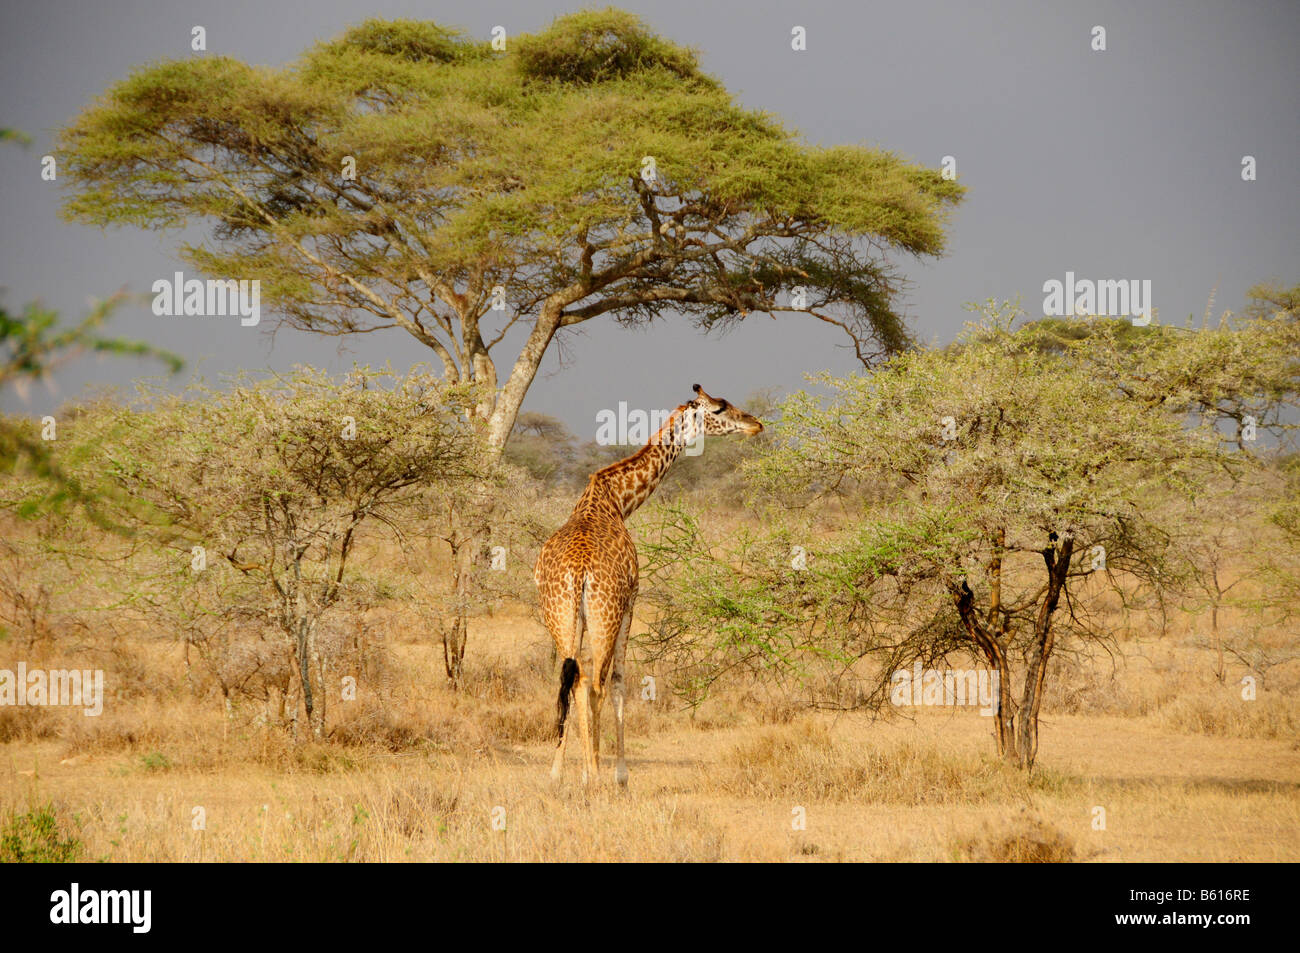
(1119, 164)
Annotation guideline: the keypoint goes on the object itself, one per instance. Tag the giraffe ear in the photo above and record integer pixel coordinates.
(711, 402)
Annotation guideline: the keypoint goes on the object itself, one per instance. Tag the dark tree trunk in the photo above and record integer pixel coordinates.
(302, 644)
(994, 651)
(1057, 559)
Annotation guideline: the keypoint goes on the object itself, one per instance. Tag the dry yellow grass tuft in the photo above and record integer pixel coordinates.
(1024, 839)
(1224, 713)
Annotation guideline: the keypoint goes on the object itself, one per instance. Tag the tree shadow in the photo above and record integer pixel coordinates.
(1201, 784)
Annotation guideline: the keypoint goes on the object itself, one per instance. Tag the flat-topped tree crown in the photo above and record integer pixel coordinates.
(406, 175)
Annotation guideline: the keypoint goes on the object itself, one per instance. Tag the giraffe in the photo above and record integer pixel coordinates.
(586, 574)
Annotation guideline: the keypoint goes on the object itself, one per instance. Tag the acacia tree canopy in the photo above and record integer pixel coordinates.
(993, 490)
(405, 175)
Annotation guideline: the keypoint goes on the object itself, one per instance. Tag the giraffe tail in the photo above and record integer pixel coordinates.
(568, 675)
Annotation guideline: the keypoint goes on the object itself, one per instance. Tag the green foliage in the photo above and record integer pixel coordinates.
(31, 345)
(600, 46)
(30, 348)
(722, 606)
(520, 171)
(1001, 432)
(299, 458)
(1286, 515)
(962, 470)
(1055, 335)
(155, 761)
(452, 147)
(1270, 299)
(415, 41)
(36, 837)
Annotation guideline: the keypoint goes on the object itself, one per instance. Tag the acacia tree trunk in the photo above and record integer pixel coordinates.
(1058, 566)
(996, 624)
(322, 696)
(468, 536)
(303, 646)
(469, 531)
(1017, 741)
(456, 633)
(304, 667)
(511, 396)
(991, 644)
(1220, 667)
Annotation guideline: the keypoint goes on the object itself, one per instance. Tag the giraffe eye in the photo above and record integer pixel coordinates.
(723, 405)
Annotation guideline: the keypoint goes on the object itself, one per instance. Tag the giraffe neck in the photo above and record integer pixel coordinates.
(629, 482)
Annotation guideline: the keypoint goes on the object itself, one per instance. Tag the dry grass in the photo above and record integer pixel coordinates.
(424, 774)
(1182, 766)
(804, 760)
(1225, 713)
(1025, 839)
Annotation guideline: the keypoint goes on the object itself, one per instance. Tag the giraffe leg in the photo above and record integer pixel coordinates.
(597, 703)
(620, 765)
(601, 636)
(619, 691)
(583, 697)
(564, 619)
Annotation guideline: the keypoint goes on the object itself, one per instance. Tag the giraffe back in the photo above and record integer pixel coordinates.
(588, 569)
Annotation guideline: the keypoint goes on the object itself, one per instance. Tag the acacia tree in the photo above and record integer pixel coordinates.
(405, 175)
(275, 479)
(999, 488)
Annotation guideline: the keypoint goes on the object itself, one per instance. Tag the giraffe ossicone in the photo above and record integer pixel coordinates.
(586, 575)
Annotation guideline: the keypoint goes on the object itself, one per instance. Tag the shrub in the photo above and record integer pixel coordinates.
(37, 837)
(1025, 839)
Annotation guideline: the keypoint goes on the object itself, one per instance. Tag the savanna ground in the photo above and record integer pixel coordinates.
(1184, 768)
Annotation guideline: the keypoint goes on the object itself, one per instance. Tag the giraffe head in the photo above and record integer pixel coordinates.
(716, 417)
